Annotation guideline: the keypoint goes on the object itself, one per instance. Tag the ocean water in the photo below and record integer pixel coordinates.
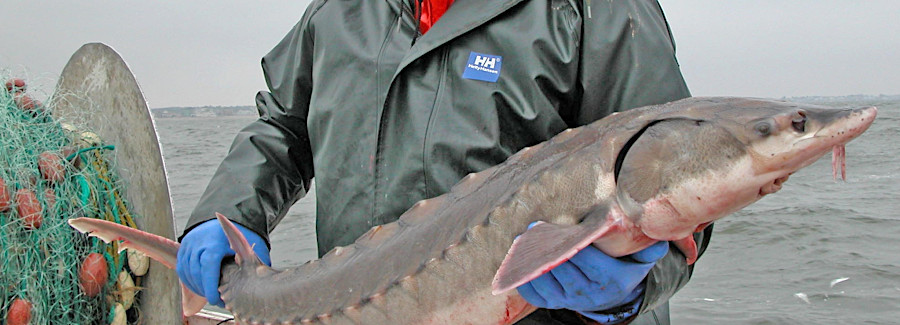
(192, 150)
(817, 252)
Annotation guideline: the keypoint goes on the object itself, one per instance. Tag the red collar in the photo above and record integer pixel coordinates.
(430, 11)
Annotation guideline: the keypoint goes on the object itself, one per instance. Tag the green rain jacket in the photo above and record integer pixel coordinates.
(384, 117)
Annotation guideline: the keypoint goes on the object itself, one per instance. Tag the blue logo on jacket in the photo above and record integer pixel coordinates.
(484, 67)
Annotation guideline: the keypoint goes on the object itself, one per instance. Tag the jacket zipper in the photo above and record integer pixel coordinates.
(379, 137)
(417, 18)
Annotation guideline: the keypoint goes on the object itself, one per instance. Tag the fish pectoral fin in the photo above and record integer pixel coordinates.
(191, 303)
(688, 247)
(159, 248)
(542, 248)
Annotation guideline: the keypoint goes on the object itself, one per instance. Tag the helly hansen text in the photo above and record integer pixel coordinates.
(484, 67)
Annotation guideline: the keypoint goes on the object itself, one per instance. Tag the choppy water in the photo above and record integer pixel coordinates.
(771, 263)
(192, 150)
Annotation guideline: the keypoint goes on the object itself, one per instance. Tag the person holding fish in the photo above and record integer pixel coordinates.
(387, 103)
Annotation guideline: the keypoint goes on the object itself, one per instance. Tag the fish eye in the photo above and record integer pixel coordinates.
(763, 128)
(799, 121)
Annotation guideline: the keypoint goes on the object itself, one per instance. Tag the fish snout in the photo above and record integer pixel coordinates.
(866, 116)
(847, 124)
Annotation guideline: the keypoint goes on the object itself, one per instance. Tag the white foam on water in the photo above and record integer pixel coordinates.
(839, 280)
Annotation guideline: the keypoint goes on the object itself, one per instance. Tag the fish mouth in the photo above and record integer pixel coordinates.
(838, 166)
(773, 186)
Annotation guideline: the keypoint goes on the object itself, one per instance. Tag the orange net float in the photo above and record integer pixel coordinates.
(4, 196)
(51, 166)
(93, 274)
(29, 209)
(19, 312)
(15, 85)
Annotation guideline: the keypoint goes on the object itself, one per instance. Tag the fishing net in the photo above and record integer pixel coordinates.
(50, 171)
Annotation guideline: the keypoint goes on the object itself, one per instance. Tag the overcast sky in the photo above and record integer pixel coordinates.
(195, 53)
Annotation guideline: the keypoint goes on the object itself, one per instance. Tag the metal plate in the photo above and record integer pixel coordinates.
(97, 83)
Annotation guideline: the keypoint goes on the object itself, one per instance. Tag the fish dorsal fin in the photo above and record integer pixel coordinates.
(543, 247)
(243, 252)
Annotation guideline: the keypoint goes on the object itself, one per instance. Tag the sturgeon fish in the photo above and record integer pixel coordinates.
(622, 183)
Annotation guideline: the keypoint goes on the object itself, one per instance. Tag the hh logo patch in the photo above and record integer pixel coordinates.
(484, 67)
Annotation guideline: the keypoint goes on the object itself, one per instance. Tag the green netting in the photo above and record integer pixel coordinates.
(41, 263)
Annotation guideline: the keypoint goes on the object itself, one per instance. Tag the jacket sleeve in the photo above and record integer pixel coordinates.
(628, 61)
(269, 165)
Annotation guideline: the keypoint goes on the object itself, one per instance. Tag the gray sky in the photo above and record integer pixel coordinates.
(194, 53)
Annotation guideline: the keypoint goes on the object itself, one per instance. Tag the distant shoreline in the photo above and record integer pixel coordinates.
(205, 111)
(846, 98)
(250, 111)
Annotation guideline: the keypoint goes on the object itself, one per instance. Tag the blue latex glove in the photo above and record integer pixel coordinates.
(201, 253)
(592, 282)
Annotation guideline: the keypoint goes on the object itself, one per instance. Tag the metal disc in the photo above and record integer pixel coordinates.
(96, 83)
